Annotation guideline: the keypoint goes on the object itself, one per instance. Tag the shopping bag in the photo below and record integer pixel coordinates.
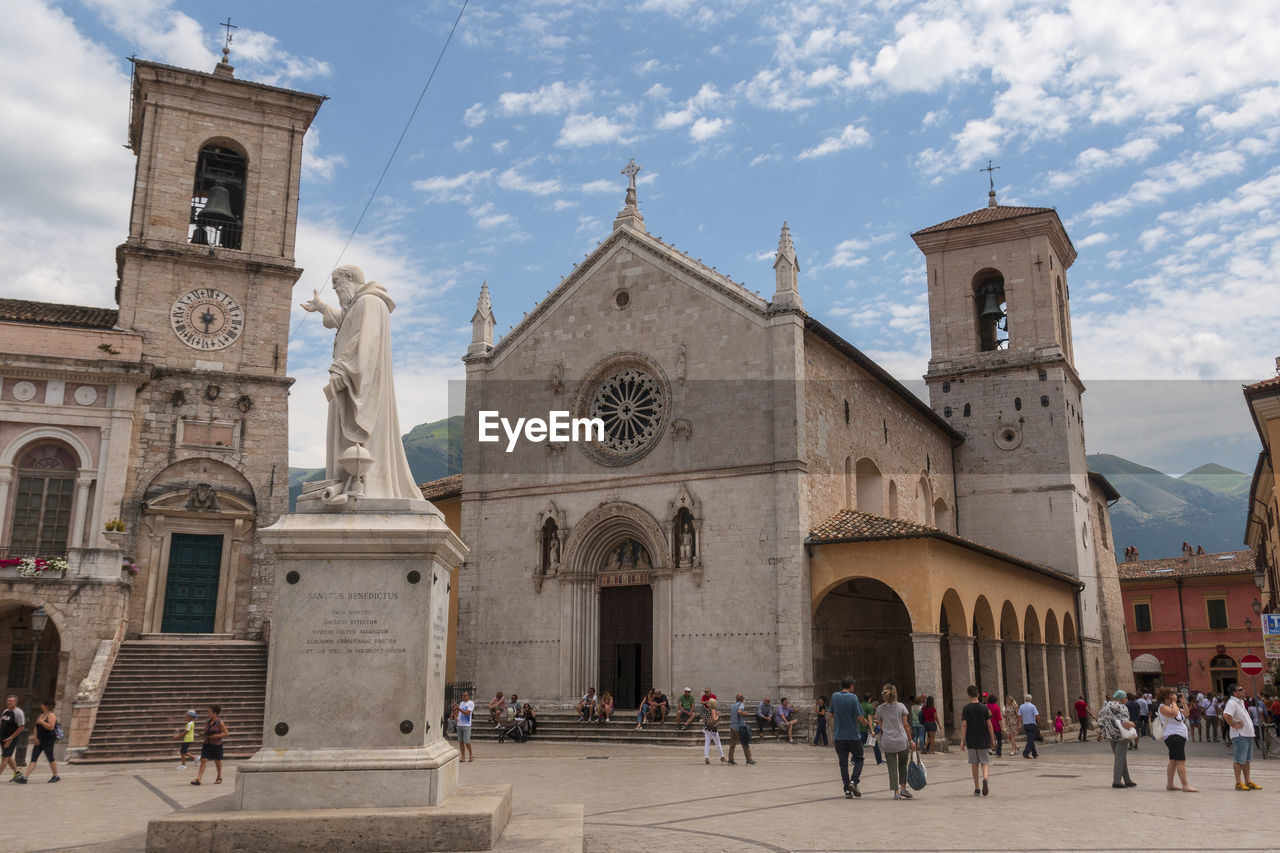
(915, 771)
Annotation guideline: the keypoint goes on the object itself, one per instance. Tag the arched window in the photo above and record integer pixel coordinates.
(942, 516)
(870, 485)
(990, 311)
(42, 504)
(848, 482)
(924, 501)
(893, 499)
(217, 198)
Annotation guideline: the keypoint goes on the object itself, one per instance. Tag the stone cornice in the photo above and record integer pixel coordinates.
(79, 370)
(224, 375)
(990, 364)
(208, 256)
(985, 234)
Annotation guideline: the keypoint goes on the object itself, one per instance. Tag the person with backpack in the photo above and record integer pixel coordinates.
(48, 733)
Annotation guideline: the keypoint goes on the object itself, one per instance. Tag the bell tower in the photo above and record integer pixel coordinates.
(1002, 372)
(206, 275)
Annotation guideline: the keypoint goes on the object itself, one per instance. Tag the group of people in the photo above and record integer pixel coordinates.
(780, 718)
(1122, 721)
(511, 717)
(47, 730)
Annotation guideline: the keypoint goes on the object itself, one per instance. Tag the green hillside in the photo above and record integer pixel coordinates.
(1157, 513)
(1218, 478)
(434, 450)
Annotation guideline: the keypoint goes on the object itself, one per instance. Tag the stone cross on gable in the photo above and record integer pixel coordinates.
(631, 170)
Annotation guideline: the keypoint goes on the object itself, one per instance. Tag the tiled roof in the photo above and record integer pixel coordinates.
(849, 525)
(445, 487)
(984, 215)
(52, 314)
(1201, 565)
(1264, 385)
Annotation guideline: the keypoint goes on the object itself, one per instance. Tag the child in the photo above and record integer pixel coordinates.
(188, 735)
(1058, 725)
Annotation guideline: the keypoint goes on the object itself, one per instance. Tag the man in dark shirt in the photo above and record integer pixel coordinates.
(658, 706)
(976, 734)
(1135, 714)
(1082, 716)
(846, 714)
(12, 724)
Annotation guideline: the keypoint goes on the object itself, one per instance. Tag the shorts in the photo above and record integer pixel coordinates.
(211, 751)
(7, 751)
(48, 748)
(185, 750)
(464, 734)
(979, 756)
(930, 727)
(1243, 749)
(1177, 746)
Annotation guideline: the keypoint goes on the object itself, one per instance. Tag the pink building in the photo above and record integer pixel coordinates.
(1191, 618)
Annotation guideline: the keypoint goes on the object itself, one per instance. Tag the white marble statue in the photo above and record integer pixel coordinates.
(364, 450)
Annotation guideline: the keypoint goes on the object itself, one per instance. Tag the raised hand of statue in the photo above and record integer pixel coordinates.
(314, 304)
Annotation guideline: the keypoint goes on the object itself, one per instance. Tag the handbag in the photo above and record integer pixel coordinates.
(916, 777)
(1127, 733)
(1157, 726)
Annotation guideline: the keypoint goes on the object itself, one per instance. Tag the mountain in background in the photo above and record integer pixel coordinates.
(1157, 513)
(434, 450)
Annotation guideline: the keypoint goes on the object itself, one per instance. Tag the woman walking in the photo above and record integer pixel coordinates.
(1173, 713)
(1011, 714)
(929, 718)
(211, 750)
(895, 739)
(1112, 720)
(711, 732)
(46, 736)
(917, 727)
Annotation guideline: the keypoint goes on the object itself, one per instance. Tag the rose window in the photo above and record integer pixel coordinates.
(630, 404)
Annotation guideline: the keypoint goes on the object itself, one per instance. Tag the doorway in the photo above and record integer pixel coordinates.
(626, 643)
(191, 591)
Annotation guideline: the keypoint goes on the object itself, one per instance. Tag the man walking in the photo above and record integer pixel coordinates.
(465, 709)
(1030, 716)
(976, 735)
(1236, 716)
(739, 731)
(12, 723)
(1083, 715)
(846, 714)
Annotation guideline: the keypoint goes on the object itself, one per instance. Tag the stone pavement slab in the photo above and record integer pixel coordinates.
(641, 798)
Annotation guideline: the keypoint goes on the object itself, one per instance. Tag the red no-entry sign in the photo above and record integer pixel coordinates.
(1251, 665)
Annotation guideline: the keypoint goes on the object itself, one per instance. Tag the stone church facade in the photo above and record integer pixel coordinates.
(770, 510)
(165, 417)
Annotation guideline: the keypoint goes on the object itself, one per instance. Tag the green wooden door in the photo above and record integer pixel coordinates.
(191, 593)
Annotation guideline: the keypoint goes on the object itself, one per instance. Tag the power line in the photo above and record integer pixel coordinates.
(396, 148)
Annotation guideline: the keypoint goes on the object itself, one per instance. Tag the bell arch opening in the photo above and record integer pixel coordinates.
(218, 196)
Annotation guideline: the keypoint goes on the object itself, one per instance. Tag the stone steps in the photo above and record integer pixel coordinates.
(154, 682)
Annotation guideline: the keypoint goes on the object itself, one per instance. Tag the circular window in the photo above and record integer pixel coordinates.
(1008, 436)
(621, 299)
(629, 395)
(630, 404)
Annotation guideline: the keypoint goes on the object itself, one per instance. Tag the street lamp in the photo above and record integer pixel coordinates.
(39, 620)
(1257, 607)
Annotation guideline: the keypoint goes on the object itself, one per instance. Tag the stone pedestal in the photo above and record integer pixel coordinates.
(355, 682)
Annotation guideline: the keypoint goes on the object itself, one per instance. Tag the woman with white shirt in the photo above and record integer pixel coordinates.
(1173, 714)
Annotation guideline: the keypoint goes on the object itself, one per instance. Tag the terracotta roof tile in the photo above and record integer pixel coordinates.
(984, 215)
(1264, 385)
(52, 314)
(849, 525)
(1201, 565)
(445, 487)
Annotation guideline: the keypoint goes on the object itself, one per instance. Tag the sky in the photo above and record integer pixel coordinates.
(1152, 126)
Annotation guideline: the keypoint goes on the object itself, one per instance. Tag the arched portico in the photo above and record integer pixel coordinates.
(614, 551)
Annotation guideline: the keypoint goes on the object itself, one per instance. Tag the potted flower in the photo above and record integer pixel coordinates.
(114, 532)
(39, 567)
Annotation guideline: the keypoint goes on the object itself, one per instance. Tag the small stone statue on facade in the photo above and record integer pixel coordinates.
(686, 545)
(553, 551)
(365, 455)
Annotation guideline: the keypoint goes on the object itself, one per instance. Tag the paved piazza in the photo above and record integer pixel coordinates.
(665, 798)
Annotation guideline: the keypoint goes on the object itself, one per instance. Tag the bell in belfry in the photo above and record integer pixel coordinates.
(217, 210)
(990, 302)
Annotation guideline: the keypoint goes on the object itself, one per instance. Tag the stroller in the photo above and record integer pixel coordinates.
(516, 728)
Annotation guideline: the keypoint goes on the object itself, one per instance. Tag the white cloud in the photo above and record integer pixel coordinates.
(1092, 160)
(1259, 106)
(589, 129)
(461, 144)
(850, 137)
(511, 179)
(600, 185)
(314, 164)
(1188, 172)
(658, 92)
(500, 146)
(1095, 239)
(456, 188)
(487, 217)
(707, 128)
(475, 115)
(547, 100)
(159, 32)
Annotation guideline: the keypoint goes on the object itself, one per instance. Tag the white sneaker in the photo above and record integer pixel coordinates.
(182, 767)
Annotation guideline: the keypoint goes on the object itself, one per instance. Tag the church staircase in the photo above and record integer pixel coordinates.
(154, 682)
(563, 727)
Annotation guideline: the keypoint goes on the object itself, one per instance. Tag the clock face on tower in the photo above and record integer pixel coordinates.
(206, 319)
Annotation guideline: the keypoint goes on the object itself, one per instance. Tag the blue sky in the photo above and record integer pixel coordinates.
(1151, 126)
